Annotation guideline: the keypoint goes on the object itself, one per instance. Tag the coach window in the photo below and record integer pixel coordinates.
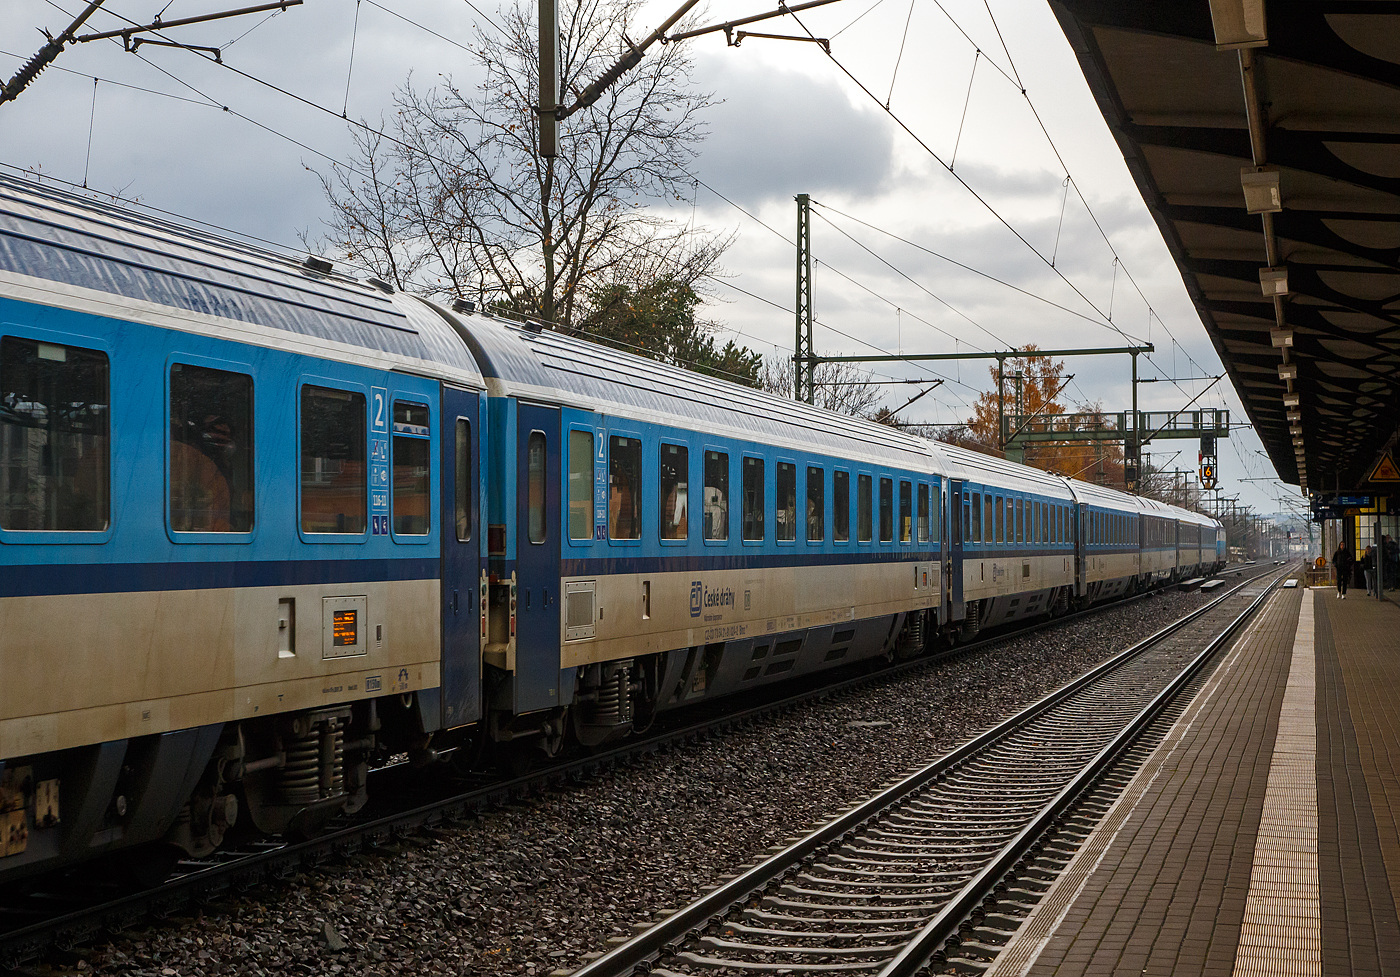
(716, 495)
(785, 502)
(580, 484)
(923, 513)
(864, 505)
(887, 510)
(1010, 520)
(463, 500)
(753, 499)
(624, 488)
(332, 460)
(937, 519)
(998, 519)
(412, 450)
(841, 506)
(1020, 521)
(534, 486)
(54, 442)
(211, 450)
(675, 491)
(976, 532)
(906, 512)
(816, 504)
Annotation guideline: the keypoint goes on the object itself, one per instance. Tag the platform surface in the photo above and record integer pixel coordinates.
(1263, 835)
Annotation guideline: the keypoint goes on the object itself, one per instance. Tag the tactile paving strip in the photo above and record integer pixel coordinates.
(1281, 933)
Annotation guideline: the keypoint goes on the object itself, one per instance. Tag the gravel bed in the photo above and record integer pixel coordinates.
(532, 887)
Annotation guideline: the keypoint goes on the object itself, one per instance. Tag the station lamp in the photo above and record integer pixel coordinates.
(1274, 281)
(1288, 371)
(1261, 192)
(1238, 23)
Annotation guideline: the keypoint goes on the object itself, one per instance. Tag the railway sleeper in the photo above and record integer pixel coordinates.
(719, 963)
(881, 950)
(731, 929)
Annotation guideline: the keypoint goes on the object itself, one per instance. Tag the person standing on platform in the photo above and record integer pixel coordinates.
(1341, 563)
(1368, 568)
(1387, 565)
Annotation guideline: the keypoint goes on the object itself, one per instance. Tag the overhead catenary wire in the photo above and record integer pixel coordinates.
(92, 118)
(937, 298)
(1030, 103)
(350, 70)
(1106, 323)
(894, 75)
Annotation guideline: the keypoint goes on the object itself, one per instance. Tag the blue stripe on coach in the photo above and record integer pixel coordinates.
(125, 578)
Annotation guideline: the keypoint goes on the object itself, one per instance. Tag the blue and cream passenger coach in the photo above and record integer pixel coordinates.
(232, 489)
(685, 536)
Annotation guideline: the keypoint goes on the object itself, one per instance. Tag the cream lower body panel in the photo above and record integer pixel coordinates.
(1099, 567)
(92, 668)
(640, 614)
(1006, 576)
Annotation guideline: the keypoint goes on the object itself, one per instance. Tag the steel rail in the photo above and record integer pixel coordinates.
(276, 858)
(711, 908)
(917, 953)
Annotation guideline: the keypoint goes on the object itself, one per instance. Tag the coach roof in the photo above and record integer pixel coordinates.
(576, 372)
(60, 237)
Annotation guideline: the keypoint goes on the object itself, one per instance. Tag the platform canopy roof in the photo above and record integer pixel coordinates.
(1265, 138)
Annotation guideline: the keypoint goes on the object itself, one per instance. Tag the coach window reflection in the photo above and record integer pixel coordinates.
(625, 488)
(54, 411)
(675, 491)
(753, 499)
(717, 495)
(211, 450)
(333, 491)
(785, 503)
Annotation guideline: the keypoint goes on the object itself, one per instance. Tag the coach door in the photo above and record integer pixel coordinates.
(953, 533)
(1081, 540)
(537, 558)
(462, 622)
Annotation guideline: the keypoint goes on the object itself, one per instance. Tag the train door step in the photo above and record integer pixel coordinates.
(1193, 584)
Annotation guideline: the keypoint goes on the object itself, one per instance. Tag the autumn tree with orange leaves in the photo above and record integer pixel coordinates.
(1041, 381)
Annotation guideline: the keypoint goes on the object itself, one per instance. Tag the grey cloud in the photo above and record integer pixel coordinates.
(778, 133)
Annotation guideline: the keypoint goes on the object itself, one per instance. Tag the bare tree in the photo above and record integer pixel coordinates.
(840, 387)
(456, 198)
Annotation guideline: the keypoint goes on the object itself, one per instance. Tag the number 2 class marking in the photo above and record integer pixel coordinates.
(378, 397)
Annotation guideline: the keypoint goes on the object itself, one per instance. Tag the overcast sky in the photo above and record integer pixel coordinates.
(788, 121)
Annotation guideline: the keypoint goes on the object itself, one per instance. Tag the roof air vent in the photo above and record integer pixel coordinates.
(381, 284)
(317, 264)
(464, 306)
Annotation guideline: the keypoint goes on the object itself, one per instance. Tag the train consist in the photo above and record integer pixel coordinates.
(263, 525)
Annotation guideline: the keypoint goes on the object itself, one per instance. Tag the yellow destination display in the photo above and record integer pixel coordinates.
(346, 632)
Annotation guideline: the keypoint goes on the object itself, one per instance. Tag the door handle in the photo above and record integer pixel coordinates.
(546, 597)
(527, 598)
(454, 602)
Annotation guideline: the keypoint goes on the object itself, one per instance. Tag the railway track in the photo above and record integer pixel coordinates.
(945, 862)
(77, 906)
